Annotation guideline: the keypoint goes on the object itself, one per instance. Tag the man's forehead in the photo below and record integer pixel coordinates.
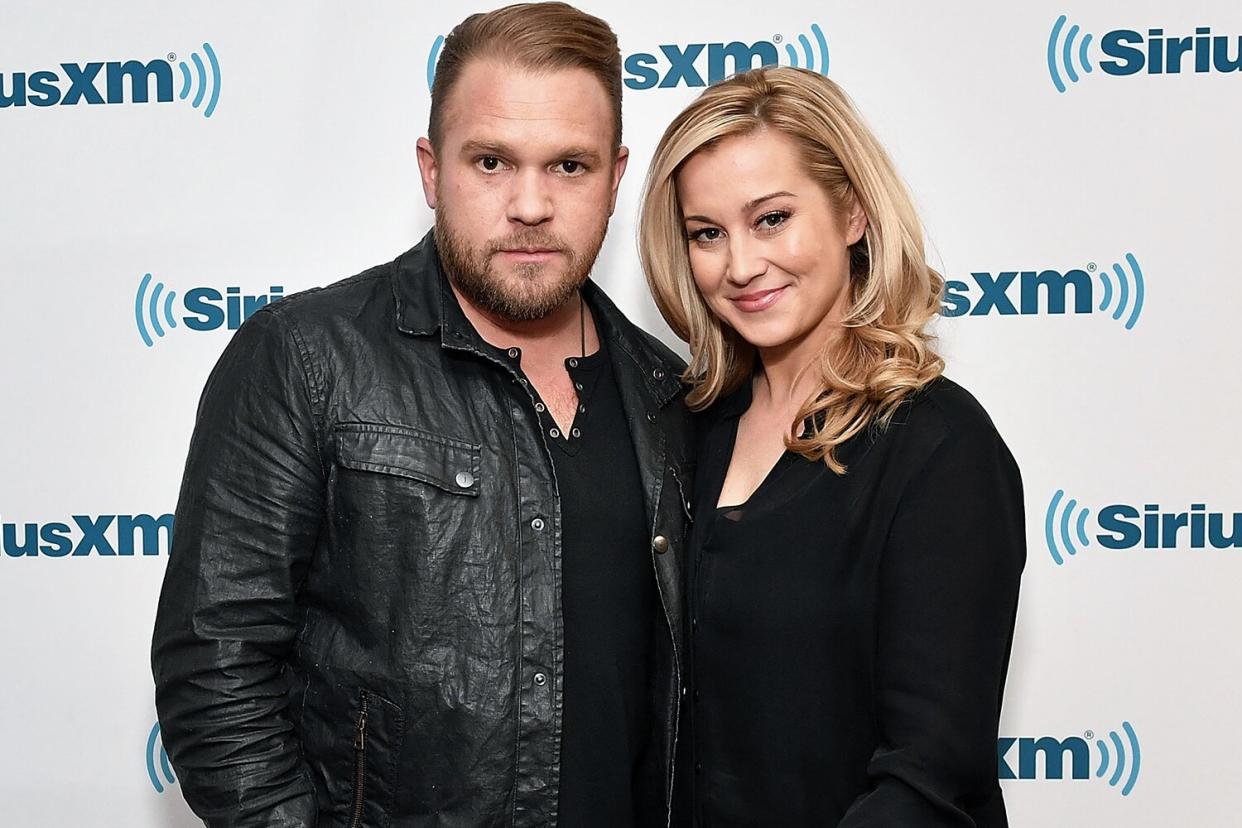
(498, 102)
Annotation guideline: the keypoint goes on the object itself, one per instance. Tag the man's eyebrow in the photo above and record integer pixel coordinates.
(586, 154)
(747, 207)
(488, 147)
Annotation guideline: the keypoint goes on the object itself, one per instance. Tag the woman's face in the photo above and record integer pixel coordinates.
(768, 249)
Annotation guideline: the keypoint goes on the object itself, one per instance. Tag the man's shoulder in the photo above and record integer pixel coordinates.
(339, 300)
(659, 351)
(648, 346)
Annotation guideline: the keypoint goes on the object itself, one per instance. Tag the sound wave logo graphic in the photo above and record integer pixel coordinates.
(158, 757)
(1118, 757)
(205, 83)
(1125, 296)
(1062, 53)
(148, 309)
(432, 57)
(808, 55)
(1060, 515)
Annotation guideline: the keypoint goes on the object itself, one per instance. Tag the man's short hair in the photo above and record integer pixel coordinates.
(534, 36)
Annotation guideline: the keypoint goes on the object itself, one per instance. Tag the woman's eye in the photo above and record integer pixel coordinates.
(774, 219)
(707, 234)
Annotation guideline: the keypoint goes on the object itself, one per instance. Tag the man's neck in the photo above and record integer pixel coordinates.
(567, 331)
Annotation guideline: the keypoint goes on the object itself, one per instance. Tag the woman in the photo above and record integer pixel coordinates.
(858, 528)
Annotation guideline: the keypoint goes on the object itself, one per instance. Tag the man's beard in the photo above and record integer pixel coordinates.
(527, 297)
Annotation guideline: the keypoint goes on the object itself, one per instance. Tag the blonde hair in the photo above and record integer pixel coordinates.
(538, 36)
(883, 354)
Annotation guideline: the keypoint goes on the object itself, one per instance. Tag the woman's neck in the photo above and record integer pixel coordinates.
(790, 372)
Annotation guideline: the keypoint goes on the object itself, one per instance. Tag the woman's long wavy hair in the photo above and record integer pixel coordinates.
(883, 353)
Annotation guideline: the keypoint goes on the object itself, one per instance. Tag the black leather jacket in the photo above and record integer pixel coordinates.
(361, 619)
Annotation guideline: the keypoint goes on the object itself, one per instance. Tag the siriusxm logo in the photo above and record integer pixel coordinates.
(684, 64)
(123, 82)
(1130, 52)
(1045, 292)
(1123, 759)
(104, 536)
(206, 308)
(1125, 527)
(158, 757)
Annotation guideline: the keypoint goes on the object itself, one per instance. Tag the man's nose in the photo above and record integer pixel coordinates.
(530, 201)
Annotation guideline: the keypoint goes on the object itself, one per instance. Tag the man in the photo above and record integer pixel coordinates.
(426, 568)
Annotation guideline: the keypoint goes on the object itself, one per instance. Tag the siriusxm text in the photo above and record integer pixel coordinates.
(106, 536)
(131, 81)
(1156, 53)
(208, 309)
(682, 65)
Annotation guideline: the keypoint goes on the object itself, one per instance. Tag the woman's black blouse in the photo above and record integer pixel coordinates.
(850, 634)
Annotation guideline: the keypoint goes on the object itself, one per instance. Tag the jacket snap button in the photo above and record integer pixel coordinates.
(660, 544)
(537, 524)
(540, 679)
(465, 479)
(658, 374)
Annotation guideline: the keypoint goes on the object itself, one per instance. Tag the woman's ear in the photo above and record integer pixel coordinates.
(857, 224)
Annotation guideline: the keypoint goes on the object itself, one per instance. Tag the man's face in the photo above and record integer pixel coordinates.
(522, 182)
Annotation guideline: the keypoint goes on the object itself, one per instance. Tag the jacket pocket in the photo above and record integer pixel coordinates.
(447, 463)
(378, 727)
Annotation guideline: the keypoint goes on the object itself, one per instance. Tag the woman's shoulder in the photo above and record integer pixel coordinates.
(943, 412)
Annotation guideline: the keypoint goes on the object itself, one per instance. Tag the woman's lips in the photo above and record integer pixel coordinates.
(758, 300)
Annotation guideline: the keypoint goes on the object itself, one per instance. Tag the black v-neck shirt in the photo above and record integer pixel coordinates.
(850, 635)
(608, 773)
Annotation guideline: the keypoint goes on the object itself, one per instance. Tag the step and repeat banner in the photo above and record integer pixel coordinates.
(170, 168)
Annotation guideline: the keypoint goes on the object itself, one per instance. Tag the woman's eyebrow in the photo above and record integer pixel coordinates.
(748, 206)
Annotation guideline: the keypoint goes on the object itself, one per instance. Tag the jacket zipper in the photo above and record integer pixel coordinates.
(360, 763)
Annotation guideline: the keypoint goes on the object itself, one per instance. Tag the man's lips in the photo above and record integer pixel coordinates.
(757, 300)
(530, 254)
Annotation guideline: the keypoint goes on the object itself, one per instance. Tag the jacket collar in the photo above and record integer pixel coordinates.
(426, 304)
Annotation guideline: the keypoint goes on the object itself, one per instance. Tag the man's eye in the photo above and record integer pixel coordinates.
(490, 163)
(571, 167)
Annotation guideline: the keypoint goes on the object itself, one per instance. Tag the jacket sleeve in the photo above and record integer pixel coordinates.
(246, 525)
(947, 602)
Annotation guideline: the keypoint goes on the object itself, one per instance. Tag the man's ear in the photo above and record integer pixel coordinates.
(618, 170)
(428, 170)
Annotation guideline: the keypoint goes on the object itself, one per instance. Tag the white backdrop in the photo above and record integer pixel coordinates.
(304, 172)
